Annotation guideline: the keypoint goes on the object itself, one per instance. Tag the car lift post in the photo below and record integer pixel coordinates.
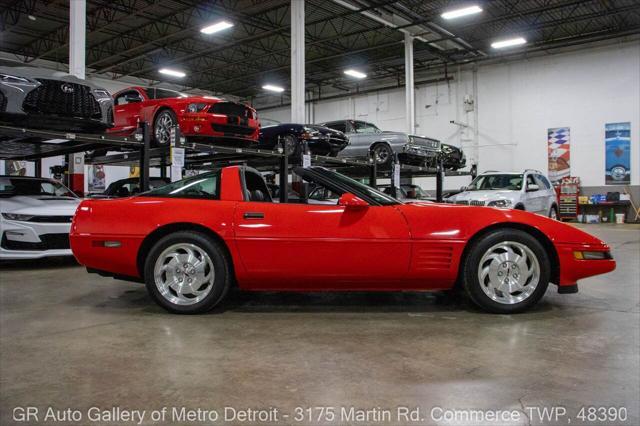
(284, 172)
(373, 170)
(394, 164)
(38, 167)
(439, 179)
(144, 157)
(305, 186)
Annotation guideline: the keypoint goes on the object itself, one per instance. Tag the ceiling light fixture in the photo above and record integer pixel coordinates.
(458, 13)
(356, 74)
(273, 88)
(172, 73)
(218, 26)
(508, 43)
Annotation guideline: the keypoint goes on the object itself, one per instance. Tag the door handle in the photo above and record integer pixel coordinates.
(254, 215)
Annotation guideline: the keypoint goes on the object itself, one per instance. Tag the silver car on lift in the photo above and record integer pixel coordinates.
(366, 138)
(44, 98)
(529, 190)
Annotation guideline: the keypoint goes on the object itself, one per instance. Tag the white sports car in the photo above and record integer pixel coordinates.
(35, 217)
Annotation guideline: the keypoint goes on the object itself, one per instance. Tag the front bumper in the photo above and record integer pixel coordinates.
(218, 126)
(573, 269)
(33, 240)
(415, 154)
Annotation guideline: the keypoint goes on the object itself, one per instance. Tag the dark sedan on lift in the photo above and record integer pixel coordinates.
(320, 140)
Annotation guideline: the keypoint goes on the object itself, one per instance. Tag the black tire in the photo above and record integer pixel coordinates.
(471, 281)
(519, 207)
(221, 280)
(554, 209)
(383, 154)
(291, 142)
(160, 138)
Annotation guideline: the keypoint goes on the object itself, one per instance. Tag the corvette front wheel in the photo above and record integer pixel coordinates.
(187, 273)
(507, 271)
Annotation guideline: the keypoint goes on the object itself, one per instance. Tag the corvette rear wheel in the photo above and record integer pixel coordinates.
(187, 273)
(162, 125)
(506, 271)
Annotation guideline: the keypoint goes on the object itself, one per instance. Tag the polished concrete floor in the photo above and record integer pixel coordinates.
(70, 340)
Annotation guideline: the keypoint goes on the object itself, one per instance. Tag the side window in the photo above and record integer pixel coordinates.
(121, 99)
(363, 127)
(543, 183)
(256, 187)
(206, 186)
(530, 180)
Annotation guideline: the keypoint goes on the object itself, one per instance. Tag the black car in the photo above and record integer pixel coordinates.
(320, 140)
(452, 157)
(128, 187)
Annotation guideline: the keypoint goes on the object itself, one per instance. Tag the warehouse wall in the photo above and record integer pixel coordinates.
(516, 103)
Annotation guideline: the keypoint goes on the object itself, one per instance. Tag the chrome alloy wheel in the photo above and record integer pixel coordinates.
(382, 154)
(162, 131)
(184, 274)
(509, 272)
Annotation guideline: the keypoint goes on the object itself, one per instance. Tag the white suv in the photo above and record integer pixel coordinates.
(528, 190)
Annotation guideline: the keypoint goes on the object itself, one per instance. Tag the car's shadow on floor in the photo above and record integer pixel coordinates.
(356, 302)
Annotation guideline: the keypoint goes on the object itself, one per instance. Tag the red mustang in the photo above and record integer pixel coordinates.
(193, 239)
(202, 117)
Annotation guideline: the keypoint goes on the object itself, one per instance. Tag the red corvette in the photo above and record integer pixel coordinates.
(191, 240)
(204, 117)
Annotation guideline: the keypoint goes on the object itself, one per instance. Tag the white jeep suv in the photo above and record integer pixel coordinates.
(528, 190)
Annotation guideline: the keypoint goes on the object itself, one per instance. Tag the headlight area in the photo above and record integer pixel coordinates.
(17, 217)
(16, 80)
(101, 94)
(503, 204)
(196, 107)
(592, 255)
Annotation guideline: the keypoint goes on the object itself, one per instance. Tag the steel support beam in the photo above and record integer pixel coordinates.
(410, 107)
(77, 37)
(297, 61)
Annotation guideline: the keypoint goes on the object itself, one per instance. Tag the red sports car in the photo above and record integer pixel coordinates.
(201, 117)
(191, 240)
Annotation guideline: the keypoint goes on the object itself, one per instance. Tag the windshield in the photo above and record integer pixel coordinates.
(206, 185)
(359, 188)
(156, 93)
(497, 181)
(13, 186)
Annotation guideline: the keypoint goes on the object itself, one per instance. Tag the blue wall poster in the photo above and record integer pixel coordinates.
(618, 153)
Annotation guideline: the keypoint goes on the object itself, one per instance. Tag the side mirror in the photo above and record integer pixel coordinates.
(132, 98)
(532, 187)
(350, 201)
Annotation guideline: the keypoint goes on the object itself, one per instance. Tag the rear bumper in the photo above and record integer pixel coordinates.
(572, 269)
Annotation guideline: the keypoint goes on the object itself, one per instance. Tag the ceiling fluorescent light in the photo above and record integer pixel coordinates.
(218, 26)
(172, 73)
(273, 88)
(356, 74)
(457, 13)
(508, 43)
